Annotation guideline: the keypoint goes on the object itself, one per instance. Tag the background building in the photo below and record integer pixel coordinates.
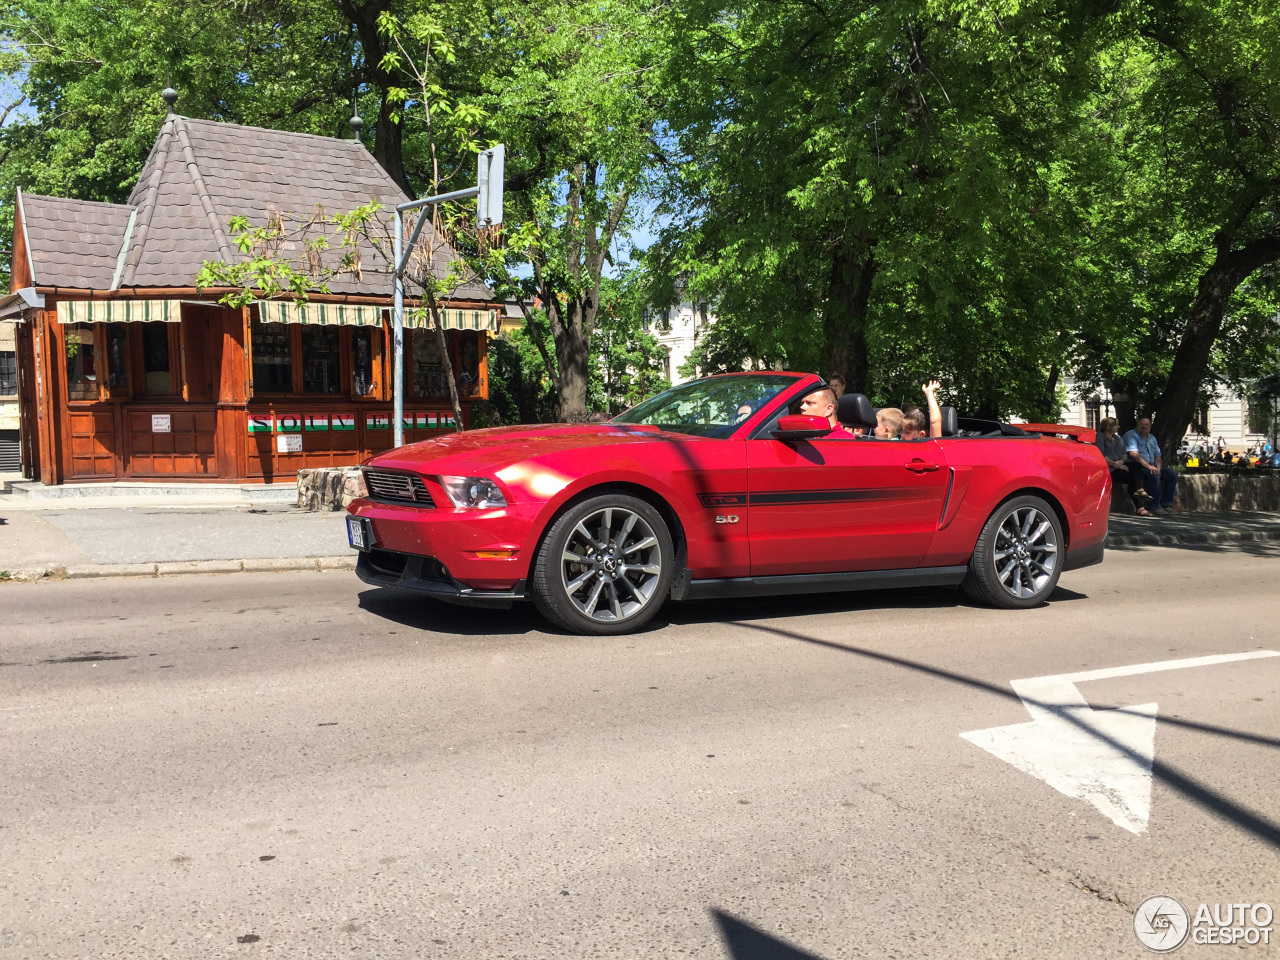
(1228, 417)
(678, 330)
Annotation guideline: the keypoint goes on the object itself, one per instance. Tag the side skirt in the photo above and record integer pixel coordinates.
(824, 583)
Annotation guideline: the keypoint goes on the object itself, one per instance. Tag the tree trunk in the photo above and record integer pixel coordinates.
(1122, 398)
(387, 135)
(1176, 406)
(572, 364)
(853, 268)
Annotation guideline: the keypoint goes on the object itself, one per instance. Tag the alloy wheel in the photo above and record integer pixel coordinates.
(1026, 552)
(611, 564)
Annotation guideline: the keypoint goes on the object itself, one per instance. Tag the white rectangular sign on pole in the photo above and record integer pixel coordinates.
(489, 173)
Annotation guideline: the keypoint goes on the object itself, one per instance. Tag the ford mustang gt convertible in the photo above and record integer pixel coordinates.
(718, 488)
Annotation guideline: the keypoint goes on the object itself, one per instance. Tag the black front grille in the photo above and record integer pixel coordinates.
(396, 487)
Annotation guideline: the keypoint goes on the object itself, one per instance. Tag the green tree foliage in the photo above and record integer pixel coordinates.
(864, 184)
(1179, 175)
(89, 76)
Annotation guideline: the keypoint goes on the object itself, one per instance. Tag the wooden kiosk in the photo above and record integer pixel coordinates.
(127, 372)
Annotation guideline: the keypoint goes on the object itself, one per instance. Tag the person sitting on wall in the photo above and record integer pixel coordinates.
(1147, 466)
(822, 403)
(1111, 445)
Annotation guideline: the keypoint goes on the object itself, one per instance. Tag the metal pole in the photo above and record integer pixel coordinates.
(397, 338)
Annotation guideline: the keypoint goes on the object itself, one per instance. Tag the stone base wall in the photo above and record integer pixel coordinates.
(1215, 493)
(329, 488)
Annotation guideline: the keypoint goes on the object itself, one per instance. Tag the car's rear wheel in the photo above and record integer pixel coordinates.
(1019, 555)
(605, 566)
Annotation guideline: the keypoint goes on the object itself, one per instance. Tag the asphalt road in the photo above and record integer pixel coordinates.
(293, 765)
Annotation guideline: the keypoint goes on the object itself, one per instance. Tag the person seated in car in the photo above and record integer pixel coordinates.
(888, 423)
(914, 424)
(822, 403)
(836, 383)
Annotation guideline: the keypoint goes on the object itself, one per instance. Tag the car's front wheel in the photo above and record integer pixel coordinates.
(605, 566)
(1019, 555)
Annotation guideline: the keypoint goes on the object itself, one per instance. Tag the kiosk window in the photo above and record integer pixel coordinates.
(469, 360)
(117, 355)
(155, 359)
(82, 378)
(321, 360)
(272, 357)
(427, 373)
(362, 347)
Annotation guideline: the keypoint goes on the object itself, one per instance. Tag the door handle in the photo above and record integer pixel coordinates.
(921, 466)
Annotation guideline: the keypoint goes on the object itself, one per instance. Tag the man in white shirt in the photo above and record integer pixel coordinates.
(1147, 468)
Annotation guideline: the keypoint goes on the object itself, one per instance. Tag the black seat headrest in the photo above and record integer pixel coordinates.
(855, 410)
(950, 422)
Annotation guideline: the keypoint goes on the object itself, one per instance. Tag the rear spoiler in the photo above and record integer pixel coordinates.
(1083, 434)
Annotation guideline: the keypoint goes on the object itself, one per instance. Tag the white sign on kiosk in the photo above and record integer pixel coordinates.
(161, 423)
(288, 443)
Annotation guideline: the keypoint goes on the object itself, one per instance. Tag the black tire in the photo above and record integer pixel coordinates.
(1019, 555)
(605, 566)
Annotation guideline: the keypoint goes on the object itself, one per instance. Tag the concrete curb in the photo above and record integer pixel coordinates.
(93, 571)
(1192, 539)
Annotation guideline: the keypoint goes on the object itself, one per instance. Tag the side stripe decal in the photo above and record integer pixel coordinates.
(779, 498)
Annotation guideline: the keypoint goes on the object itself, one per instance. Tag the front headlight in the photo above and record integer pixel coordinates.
(475, 492)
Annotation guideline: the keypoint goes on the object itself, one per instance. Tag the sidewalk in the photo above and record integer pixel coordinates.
(160, 536)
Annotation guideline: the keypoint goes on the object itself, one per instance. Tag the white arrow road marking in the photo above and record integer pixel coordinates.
(1102, 756)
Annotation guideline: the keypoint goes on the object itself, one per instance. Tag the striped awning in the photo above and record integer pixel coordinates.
(454, 319)
(119, 311)
(323, 314)
(286, 311)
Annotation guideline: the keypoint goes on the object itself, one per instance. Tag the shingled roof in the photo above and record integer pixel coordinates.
(199, 175)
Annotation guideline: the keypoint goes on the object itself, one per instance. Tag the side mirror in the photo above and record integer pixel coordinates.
(801, 428)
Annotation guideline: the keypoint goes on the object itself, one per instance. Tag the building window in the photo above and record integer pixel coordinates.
(82, 377)
(117, 355)
(272, 357)
(1092, 413)
(321, 360)
(362, 360)
(426, 373)
(8, 373)
(469, 360)
(157, 379)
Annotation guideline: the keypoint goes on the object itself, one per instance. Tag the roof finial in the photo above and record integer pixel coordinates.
(354, 120)
(170, 97)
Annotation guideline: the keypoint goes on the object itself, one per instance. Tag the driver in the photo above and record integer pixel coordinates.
(822, 403)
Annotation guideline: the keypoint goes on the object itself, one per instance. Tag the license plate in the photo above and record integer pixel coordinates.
(358, 533)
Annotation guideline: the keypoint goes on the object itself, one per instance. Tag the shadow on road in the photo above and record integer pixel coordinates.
(745, 942)
(423, 613)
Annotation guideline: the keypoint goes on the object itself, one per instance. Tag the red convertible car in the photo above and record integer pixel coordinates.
(716, 488)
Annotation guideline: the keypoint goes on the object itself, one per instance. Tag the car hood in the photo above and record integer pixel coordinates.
(482, 452)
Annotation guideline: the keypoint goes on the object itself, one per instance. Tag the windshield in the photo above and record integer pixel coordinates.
(708, 408)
